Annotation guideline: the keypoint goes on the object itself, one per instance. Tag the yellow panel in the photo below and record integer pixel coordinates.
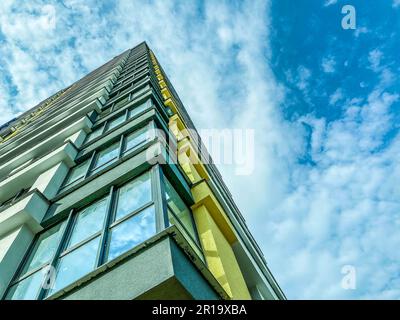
(171, 104)
(203, 195)
(220, 257)
(165, 93)
(185, 145)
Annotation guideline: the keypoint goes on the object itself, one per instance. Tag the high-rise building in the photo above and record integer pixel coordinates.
(104, 195)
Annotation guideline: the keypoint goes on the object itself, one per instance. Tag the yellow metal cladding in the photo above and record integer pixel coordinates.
(219, 254)
(216, 232)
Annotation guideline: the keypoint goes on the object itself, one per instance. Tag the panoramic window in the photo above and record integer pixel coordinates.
(118, 228)
(133, 195)
(135, 139)
(77, 173)
(30, 278)
(115, 122)
(180, 216)
(106, 155)
(94, 134)
(131, 232)
(121, 118)
(133, 112)
(119, 104)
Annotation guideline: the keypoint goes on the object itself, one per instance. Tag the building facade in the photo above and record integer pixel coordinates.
(104, 195)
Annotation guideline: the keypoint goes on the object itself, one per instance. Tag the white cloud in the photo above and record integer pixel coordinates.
(374, 58)
(329, 2)
(303, 75)
(336, 96)
(360, 30)
(396, 3)
(328, 64)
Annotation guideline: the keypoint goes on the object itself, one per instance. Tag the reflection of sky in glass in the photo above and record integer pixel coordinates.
(115, 122)
(121, 103)
(96, 133)
(133, 195)
(27, 289)
(136, 138)
(88, 222)
(76, 264)
(45, 247)
(133, 112)
(107, 154)
(179, 208)
(77, 172)
(131, 232)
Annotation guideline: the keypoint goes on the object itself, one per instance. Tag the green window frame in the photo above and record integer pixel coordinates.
(108, 154)
(84, 240)
(114, 224)
(118, 120)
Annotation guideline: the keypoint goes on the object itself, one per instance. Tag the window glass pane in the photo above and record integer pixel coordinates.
(192, 241)
(133, 195)
(107, 155)
(88, 222)
(135, 138)
(94, 134)
(115, 122)
(105, 111)
(136, 110)
(121, 103)
(182, 212)
(77, 172)
(27, 289)
(131, 232)
(76, 264)
(125, 90)
(141, 91)
(45, 247)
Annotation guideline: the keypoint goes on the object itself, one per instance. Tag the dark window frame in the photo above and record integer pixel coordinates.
(92, 156)
(104, 234)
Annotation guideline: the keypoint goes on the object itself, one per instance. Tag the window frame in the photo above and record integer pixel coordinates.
(104, 234)
(195, 240)
(121, 141)
(105, 128)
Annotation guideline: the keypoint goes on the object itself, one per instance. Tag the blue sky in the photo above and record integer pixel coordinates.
(323, 102)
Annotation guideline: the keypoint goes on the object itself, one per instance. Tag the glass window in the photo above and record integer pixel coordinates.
(76, 173)
(141, 91)
(94, 134)
(135, 138)
(45, 248)
(133, 196)
(132, 222)
(41, 255)
(125, 90)
(115, 122)
(131, 232)
(105, 111)
(76, 264)
(27, 289)
(179, 209)
(121, 103)
(88, 222)
(191, 239)
(138, 109)
(107, 155)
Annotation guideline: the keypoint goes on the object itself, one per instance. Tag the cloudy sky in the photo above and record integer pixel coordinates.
(323, 101)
